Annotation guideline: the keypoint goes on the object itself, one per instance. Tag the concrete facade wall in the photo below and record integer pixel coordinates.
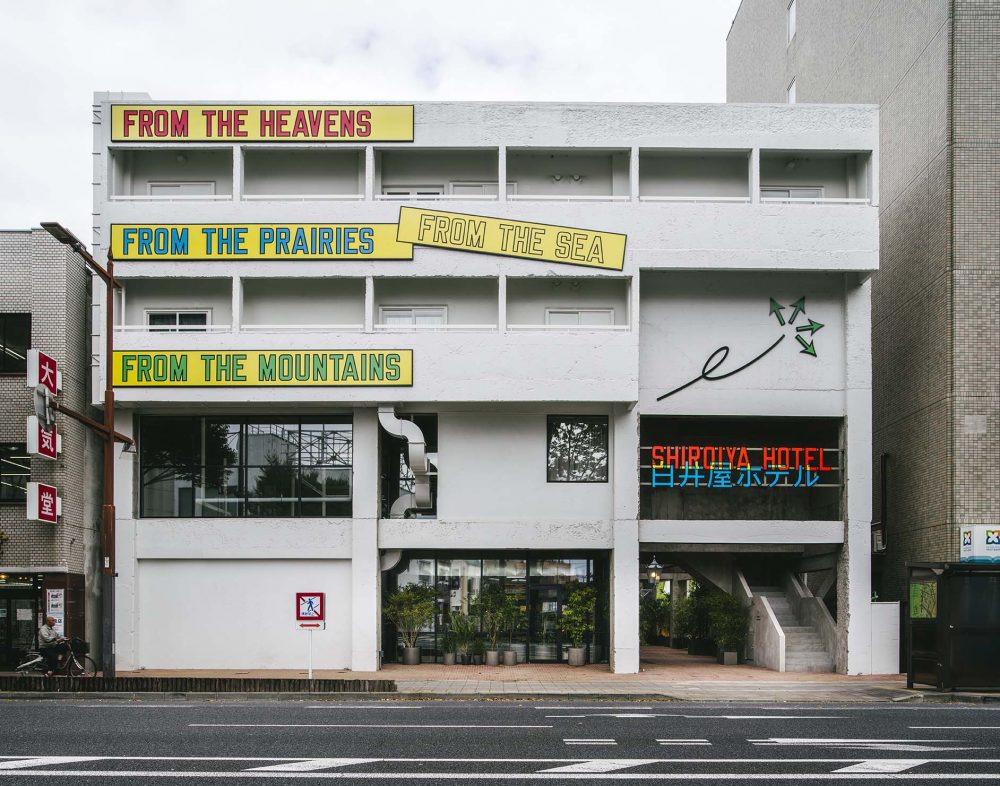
(931, 65)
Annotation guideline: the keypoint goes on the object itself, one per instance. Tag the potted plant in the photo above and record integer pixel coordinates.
(576, 622)
(463, 628)
(493, 607)
(410, 609)
(654, 617)
(477, 650)
(448, 646)
(728, 624)
(514, 620)
(692, 622)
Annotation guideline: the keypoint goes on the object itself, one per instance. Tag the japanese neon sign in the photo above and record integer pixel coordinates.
(742, 466)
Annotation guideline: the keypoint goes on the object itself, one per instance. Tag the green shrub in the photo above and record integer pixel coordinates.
(691, 617)
(463, 629)
(577, 619)
(410, 609)
(728, 621)
(497, 611)
(654, 616)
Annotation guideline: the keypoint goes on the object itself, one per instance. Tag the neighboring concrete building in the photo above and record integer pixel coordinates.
(933, 67)
(45, 568)
(461, 344)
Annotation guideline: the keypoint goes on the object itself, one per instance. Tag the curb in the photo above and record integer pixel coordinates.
(184, 685)
(950, 698)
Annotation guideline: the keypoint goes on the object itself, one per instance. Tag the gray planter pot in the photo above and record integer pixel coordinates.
(728, 658)
(411, 656)
(449, 659)
(509, 658)
(492, 657)
(577, 656)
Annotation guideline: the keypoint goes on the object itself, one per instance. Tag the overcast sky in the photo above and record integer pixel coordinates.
(55, 54)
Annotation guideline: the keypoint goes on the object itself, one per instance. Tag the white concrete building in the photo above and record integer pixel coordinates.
(318, 411)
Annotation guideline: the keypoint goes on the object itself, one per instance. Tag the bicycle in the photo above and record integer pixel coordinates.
(76, 664)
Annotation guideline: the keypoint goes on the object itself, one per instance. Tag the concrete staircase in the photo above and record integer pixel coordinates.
(804, 649)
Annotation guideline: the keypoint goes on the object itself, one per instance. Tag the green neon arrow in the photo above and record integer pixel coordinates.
(776, 309)
(811, 328)
(800, 307)
(808, 348)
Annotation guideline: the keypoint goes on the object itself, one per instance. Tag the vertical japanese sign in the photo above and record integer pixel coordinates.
(43, 442)
(44, 503)
(43, 370)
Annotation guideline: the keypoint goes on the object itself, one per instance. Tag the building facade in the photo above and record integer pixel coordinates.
(45, 568)
(471, 344)
(932, 67)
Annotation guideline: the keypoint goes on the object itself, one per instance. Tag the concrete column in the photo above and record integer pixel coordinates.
(237, 321)
(755, 176)
(369, 173)
(237, 173)
(369, 304)
(854, 570)
(633, 174)
(502, 304)
(625, 552)
(502, 174)
(126, 567)
(365, 572)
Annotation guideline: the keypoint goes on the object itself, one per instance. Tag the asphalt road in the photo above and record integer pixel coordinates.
(61, 741)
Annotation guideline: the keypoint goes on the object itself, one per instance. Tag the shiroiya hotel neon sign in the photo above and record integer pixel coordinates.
(742, 466)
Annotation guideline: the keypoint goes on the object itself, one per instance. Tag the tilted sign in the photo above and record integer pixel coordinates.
(261, 123)
(235, 242)
(264, 368)
(44, 503)
(509, 238)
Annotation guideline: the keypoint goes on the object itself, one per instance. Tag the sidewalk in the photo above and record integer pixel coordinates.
(666, 674)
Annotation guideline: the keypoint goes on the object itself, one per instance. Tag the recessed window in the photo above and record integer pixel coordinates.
(577, 449)
(577, 317)
(15, 338)
(266, 467)
(413, 316)
(480, 189)
(182, 188)
(791, 92)
(177, 321)
(791, 20)
(792, 192)
(412, 191)
(15, 472)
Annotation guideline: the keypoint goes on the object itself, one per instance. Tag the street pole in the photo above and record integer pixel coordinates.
(111, 437)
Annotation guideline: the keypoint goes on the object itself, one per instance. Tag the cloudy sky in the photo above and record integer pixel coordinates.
(55, 53)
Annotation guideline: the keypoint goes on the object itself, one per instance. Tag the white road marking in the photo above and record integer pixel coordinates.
(701, 741)
(594, 741)
(601, 765)
(635, 707)
(698, 717)
(955, 727)
(387, 777)
(875, 766)
(41, 761)
(310, 765)
(356, 726)
(610, 715)
(915, 746)
(363, 707)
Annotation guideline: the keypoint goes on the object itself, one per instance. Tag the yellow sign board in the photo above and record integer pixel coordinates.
(198, 242)
(263, 368)
(510, 238)
(260, 123)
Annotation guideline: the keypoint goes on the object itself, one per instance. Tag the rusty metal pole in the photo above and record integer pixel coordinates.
(108, 508)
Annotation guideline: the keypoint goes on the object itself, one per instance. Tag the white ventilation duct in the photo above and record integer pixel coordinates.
(416, 457)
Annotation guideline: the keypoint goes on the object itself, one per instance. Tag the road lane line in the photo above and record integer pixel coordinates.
(877, 766)
(363, 707)
(310, 765)
(955, 727)
(601, 765)
(684, 742)
(42, 761)
(357, 726)
(387, 777)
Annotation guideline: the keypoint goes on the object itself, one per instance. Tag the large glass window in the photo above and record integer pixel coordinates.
(275, 467)
(15, 338)
(578, 449)
(15, 472)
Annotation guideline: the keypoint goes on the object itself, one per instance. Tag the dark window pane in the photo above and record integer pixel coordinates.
(221, 442)
(218, 492)
(15, 472)
(15, 338)
(168, 491)
(160, 323)
(325, 491)
(192, 319)
(329, 444)
(578, 449)
(170, 441)
(271, 490)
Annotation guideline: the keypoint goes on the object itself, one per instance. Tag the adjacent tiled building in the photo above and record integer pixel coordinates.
(933, 67)
(45, 304)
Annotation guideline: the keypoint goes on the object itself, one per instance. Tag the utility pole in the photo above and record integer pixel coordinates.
(106, 430)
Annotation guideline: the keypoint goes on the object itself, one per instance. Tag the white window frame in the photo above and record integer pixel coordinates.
(550, 310)
(177, 327)
(791, 192)
(179, 183)
(413, 309)
(790, 17)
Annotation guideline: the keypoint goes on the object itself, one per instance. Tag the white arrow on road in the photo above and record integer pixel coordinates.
(914, 746)
(876, 766)
(310, 765)
(41, 761)
(601, 765)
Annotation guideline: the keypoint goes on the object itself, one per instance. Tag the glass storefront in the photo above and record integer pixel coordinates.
(537, 582)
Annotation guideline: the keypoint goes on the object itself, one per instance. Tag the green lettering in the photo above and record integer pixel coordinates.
(375, 366)
(350, 367)
(392, 367)
(178, 368)
(285, 366)
(142, 373)
(265, 367)
(319, 367)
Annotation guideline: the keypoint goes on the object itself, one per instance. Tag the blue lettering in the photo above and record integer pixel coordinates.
(367, 240)
(128, 238)
(266, 238)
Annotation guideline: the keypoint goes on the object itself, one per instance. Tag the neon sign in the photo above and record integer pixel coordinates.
(741, 466)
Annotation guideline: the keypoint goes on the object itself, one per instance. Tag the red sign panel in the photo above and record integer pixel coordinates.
(41, 442)
(43, 370)
(43, 503)
(310, 607)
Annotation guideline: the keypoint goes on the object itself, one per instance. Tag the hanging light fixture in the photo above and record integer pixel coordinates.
(653, 570)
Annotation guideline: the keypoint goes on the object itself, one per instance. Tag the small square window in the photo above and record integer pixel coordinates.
(15, 338)
(577, 449)
(177, 321)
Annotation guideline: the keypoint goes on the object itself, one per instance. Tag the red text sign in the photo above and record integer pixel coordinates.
(43, 370)
(42, 442)
(43, 503)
